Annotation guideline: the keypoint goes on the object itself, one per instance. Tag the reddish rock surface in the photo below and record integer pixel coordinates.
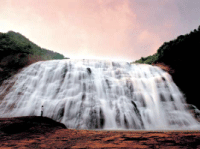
(165, 67)
(48, 134)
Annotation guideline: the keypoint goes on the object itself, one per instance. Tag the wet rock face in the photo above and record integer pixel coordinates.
(194, 111)
(89, 71)
(89, 94)
(180, 71)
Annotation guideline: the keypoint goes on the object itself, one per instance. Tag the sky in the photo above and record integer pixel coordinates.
(123, 30)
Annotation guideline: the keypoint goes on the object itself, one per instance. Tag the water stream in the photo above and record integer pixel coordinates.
(94, 94)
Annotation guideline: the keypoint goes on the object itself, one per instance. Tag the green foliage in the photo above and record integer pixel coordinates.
(177, 50)
(147, 60)
(16, 51)
(12, 42)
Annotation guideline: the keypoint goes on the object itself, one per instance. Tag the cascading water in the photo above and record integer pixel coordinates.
(91, 94)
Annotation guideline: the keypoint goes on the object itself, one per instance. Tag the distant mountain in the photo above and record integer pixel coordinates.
(16, 51)
(181, 57)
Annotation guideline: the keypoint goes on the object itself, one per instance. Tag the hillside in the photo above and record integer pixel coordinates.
(180, 56)
(16, 51)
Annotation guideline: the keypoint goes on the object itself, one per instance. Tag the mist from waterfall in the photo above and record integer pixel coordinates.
(94, 94)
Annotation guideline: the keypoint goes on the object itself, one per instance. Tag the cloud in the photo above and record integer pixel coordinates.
(150, 40)
(111, 29)
(77, 28)
(101, 31)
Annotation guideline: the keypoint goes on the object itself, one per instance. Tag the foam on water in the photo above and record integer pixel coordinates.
(92, 94)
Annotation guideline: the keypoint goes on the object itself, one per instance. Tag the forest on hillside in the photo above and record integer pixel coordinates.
(176, 51)
(16, 51)
(182, 56)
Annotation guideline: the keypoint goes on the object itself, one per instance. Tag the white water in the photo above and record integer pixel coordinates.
(91, 94)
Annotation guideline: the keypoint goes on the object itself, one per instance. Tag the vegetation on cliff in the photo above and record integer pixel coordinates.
(16, 51)
(176, 51)
(181, 56)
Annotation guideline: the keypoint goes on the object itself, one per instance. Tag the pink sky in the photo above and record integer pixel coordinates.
(100, 29)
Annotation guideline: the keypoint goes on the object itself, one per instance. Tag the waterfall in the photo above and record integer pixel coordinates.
(94, 94)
